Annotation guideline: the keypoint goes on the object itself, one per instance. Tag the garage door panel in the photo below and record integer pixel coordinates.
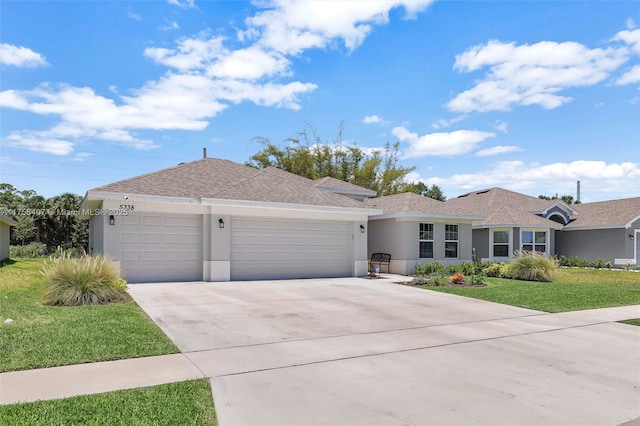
(152, 220)
(167, 248)
(271, 249)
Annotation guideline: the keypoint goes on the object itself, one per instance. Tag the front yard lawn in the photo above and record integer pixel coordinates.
(45, 336)
(183, 403)
(573, 289)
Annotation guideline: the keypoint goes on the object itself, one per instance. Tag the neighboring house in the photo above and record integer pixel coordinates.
(5, 235)
(605, 230)
(513, 222)
(215, 220)
(418, 230)
(608, 230)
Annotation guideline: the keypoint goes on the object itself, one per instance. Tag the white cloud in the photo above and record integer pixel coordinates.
(440, 144)
(442, 123)
(205, 77)
(630, 24)
(290, 26)
(497, 150)
(190, 54)
(20, 56)
(610, 180)
(630, 77)
(374, 119)
(531, 74)
(169, 25)
(38, 143)
(629, 37)
(81, 156)
(135, 16)
(501, 126)
(184, 4)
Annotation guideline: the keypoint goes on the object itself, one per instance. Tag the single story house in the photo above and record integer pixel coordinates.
(608, 230)
(5, 235)
(418, 230)
(513, 222)
(216, 220)
(604, 230)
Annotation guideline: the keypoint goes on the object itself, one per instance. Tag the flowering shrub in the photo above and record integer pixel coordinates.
(457, 278)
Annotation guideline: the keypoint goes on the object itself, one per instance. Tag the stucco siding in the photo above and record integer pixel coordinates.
(594, 244)
(4, 240)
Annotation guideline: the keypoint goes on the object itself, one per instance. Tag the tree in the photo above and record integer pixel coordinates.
(423, 189)
(53, 221)
(309, 156)
(566, 198)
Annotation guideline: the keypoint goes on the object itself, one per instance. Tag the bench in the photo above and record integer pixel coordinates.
(379, 259)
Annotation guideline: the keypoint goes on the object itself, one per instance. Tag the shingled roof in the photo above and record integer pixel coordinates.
(329, 183)
(409, 202)
(222, 179)
(605, 214)
(504, 207)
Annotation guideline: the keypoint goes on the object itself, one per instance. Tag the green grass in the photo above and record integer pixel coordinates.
(183, 403)
(632, 322)
(45, 336)
(572, 290)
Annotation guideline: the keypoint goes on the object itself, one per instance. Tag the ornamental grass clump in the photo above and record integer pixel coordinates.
(86, 280)
(532, 266)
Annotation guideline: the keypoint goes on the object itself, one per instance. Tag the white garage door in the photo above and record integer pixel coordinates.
(279, 249)
(156, 248)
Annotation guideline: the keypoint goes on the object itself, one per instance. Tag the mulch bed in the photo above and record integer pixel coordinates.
(412, 283)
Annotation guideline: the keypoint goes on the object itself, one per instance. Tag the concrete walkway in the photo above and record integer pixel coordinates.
(366, 352)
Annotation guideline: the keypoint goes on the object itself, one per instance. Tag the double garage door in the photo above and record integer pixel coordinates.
(156, 248)
(277, 249)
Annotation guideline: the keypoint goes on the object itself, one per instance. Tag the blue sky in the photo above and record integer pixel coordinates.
(529, 96)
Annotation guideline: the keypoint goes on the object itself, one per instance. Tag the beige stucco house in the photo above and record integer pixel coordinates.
(5, 235)
(215, 220)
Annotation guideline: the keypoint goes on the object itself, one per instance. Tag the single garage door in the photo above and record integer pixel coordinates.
(281, 249)
(157, 248)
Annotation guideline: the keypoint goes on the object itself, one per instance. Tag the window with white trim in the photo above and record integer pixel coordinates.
(500, 243)
(451, 241)
(426, 240)
(531, 240)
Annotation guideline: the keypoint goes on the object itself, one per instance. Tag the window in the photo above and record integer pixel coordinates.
(534, 241)
(451, 241)
(426, 241)
(500, 243)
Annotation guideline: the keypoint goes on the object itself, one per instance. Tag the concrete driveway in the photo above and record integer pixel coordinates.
(369, 352)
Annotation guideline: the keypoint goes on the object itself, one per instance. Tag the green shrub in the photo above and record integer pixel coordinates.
(495, 269)
(429, 269)
(439, 281)
(30, 251)
(86, 280)
(532, 266)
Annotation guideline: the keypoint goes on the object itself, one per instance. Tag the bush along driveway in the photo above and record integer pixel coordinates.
(35, 336)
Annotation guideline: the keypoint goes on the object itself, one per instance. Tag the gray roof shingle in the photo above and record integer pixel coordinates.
(223, 179)
(504, 207)
(329, 182)
(613, 213)
(411, 202)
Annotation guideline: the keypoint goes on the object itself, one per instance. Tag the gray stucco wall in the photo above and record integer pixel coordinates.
(594, 244)
(400, 239)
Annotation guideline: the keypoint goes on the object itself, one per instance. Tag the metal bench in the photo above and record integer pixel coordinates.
(379, 259)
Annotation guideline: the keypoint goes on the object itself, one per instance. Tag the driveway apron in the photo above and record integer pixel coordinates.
(369, 352)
